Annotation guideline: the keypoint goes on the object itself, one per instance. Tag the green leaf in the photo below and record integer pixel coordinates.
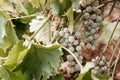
(59, 7)
(85, 76)
(7, 33)
(16, 55)
(2, 29)
(44, 34)
(6, 74)
(37, 3)
(86, 72)
(42, 61)
(19, 6)
(107, 31)
(102, 77)
(70, 15)
(6, 5)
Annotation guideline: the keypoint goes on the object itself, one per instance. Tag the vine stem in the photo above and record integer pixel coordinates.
(109, 40)
(81, 67)
(110, 62)
(116, 64)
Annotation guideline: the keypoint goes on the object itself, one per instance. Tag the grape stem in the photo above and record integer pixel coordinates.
(109, 40)
(116, 61)
(81, 67)
(110, 62)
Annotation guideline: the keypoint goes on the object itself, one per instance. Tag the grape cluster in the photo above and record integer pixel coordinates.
(69, 40)
(100, 67)
(91, 21)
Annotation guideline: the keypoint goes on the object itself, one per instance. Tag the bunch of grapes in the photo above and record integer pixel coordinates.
(91, 21)
(69, 40)
(101, 67)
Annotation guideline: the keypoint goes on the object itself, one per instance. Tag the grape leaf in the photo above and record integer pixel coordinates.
(69, 14)
(44, 34)
(6, 5)
(86, 72)
(2, 29)
(59, 7)
(6, 74)
(19, 6)
(37, 3)
(107, 31)
(16, 55)
(58, 77)
(41, 61)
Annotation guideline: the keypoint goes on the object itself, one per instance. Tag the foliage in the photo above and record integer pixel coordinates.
(28, 50)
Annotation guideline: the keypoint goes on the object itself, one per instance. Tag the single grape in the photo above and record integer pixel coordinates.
(88, 45)
(76, 42)
(89, 28)
(99, 18)
(82, 44)
(96, 36)
(89, 9)
(72, 70)
(80, 57)
(71, 49)
(61, 33)
(94, 60)
(62, 40)
(104, 68)
(93, 48)
(86, 15)
(66, 30)
(77, 34)
(102, 63)
(76, 54)
(93, 16)
(66, 41)
(56, 33)
(78, 48)
(71, 39)
(66, 35)
(96, 3)
(77, 67)
(70, 58)
(70, 44)
(94, 25)
(72, 63)
(87, 33)
(90, 38)
(98, 11)
(94, 8)
(93, 31)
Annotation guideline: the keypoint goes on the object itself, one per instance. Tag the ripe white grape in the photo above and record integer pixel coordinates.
(96, 36)
(70, 44)
(70, 58)
(66, 41)
(94, 25)
(72, 70)
(96, 3)
(62, 40)
(72, 63)
(76, 54)
(87, 33)
(86, 15)
(94, 60)
(102, 63)
(80, 57)
(93, 31)
(76, 42)
(93, 48)
(89, 9)
(82, 44)
(98, 11)
(89, 28)
(94, 8)
(99, 18)
(66, 35)
(90, 38)
(61, 33)
(88, 45)
(66, 30)
(56, 33)
(77, 67)
(71, 39)
(77, 34)
(78, 48)
(71, 49)
(93, 16)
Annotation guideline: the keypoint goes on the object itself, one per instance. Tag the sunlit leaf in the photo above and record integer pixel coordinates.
(42, 61)
(70, 15)
(107, 31)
